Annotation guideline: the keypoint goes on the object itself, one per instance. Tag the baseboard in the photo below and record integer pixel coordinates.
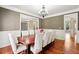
(59, 39)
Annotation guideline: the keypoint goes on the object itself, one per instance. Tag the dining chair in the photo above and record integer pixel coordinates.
(37, 47)
(51, 37)
(46, 38)
(16, 48)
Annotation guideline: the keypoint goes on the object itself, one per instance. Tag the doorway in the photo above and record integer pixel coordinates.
(70, 27)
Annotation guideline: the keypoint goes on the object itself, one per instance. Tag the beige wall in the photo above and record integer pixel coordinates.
(56, 22)
(33, 24)
(9, 20)
(78, 20)
(24, 26)
(40, 23)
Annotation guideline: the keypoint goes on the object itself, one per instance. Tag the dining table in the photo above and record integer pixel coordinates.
(28, 41)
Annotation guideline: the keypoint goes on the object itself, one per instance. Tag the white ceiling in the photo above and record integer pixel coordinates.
(52, 9)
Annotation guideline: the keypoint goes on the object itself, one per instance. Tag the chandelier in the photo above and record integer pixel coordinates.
(43, 11)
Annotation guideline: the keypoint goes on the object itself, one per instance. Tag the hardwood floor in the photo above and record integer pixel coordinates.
(59, 48)
(6, 50)
(67, 46)
(56, 47)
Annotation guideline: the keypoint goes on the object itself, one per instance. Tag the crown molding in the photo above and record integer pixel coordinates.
(63, 13)
(33, 15)
(20, 11)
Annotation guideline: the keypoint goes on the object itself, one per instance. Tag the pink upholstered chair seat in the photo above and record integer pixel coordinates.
(31, 39)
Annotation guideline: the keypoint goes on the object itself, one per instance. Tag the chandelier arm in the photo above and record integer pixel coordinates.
(43, 11)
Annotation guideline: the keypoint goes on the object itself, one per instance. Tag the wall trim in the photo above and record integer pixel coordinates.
(33, 15)
(64, 13)
(20, 11)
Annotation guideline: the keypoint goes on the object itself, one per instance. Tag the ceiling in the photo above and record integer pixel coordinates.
(52, 9)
